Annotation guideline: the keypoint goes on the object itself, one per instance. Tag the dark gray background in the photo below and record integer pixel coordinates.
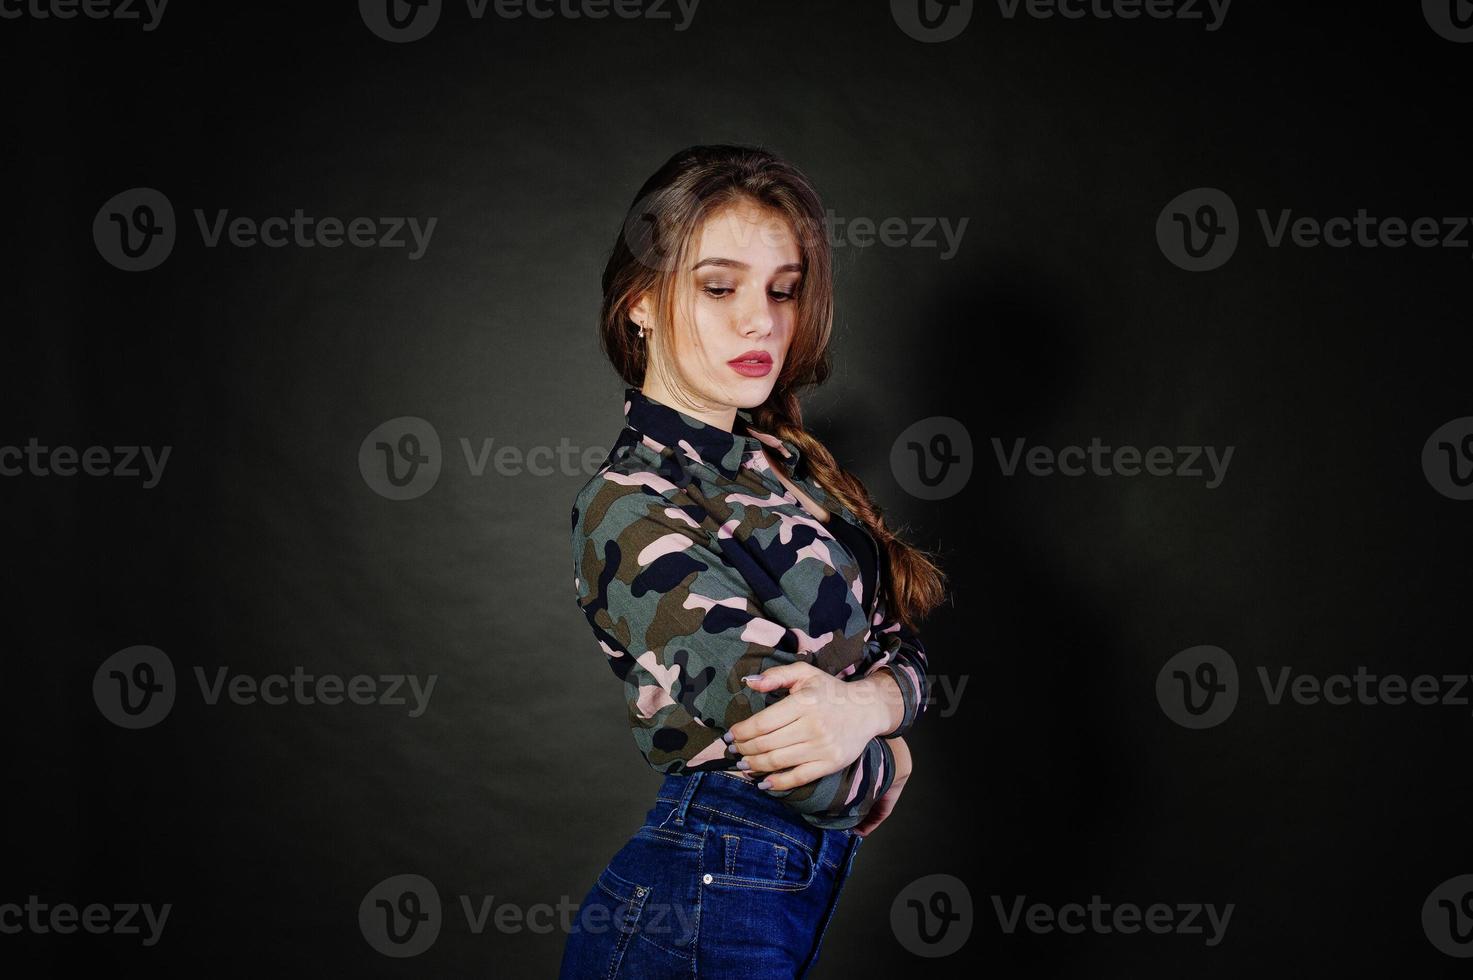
(1057, 776)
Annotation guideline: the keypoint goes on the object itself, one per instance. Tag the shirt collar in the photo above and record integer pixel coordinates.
(701, 441)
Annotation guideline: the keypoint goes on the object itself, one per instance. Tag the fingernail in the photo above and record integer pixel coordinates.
(726, 737)
(743, 764)
(749, 678)
(764, 784)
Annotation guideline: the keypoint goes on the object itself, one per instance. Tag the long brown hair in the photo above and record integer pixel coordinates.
(654, 241)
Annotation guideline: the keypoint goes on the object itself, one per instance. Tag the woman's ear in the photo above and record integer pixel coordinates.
(639, 312)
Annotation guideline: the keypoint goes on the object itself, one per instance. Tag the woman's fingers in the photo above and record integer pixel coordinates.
(877, 813)
(792, 733)
(782, 758)
(806, 772)
(769, 719)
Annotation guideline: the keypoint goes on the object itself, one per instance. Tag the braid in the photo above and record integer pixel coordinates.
(914, 584)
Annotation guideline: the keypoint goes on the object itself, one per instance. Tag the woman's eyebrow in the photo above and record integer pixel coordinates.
(734, 264)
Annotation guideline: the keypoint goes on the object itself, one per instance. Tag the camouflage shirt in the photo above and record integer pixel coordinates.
(694, 565)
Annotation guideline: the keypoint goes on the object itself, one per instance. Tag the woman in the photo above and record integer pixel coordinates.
(741, 585)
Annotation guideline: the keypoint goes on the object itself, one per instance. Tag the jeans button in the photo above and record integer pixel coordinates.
(706, 877)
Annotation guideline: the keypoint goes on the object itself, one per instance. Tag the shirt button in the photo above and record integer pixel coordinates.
(706, 878)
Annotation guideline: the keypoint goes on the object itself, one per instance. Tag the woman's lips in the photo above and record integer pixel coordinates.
(753, 368)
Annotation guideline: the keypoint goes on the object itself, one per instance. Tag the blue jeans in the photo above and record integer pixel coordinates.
(722, 881)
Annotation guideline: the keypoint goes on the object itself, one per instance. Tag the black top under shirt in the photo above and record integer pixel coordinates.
(859, 543)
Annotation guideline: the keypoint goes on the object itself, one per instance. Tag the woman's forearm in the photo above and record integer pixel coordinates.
(879, 696)
(901, 751)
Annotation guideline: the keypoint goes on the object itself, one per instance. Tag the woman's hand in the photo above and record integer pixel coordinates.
(822, 725)
(885, 804)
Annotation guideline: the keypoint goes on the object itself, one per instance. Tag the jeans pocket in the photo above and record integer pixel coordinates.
(606, 923)
(651, 887)
(739, 854)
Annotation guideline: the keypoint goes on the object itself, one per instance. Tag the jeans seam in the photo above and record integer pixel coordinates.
(626, 928)
(695, 943)
(691, 841)
(665, 949)
(749, 822)
(841, 878)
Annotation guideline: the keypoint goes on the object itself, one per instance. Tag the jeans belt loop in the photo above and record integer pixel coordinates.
(685, 797)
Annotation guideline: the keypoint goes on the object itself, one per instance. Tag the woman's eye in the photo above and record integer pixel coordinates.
(720, 292)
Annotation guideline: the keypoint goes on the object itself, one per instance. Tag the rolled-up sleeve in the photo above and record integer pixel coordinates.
(897, 649)
(679, 627)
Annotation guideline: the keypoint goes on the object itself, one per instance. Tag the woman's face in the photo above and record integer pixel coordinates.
(736, 299)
